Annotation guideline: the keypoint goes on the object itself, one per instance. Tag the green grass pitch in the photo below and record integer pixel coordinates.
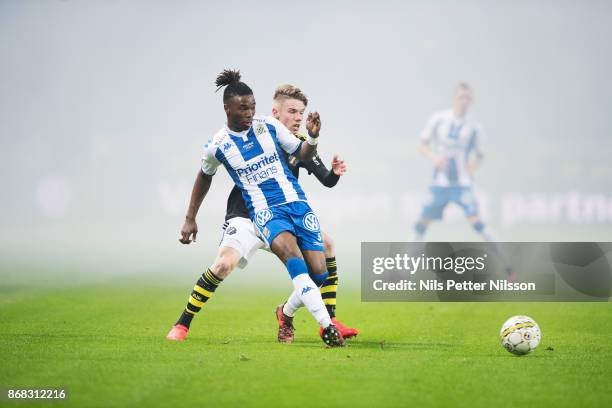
(106, 345)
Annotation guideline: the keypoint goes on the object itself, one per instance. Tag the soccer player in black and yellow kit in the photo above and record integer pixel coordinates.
(240, 240)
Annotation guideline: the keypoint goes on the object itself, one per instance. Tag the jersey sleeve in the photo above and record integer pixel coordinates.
(209, 160)
(326, 177)
(286, 139)
(429, 132)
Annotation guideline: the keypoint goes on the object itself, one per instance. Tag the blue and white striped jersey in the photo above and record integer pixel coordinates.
(255, 162)
(456, 139)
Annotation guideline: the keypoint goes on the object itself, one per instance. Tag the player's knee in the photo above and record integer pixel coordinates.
(223, 267)
(285, 247)
(286, 253)
(317, 266)
(328, 244)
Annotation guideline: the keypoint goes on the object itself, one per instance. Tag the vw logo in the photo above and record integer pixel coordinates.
(262, 217)
(311, 222)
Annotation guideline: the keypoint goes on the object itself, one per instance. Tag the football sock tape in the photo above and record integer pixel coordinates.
(330, 287)
(202, 291)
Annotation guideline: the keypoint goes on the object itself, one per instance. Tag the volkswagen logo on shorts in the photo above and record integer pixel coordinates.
(311, 222)
(262, 217)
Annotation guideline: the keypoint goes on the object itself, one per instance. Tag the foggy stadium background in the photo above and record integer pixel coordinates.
(105, 106)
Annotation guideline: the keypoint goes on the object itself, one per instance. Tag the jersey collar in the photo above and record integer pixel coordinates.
(244, 134)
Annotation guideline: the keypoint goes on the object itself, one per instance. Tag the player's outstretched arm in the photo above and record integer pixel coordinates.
(199, 191)
(329, 178)
(309, 149)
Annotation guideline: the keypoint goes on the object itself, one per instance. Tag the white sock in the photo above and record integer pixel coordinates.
(310, 297)
(293, 304)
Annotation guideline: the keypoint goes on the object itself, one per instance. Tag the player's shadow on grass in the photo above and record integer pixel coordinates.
(381, 345)
(316, 343)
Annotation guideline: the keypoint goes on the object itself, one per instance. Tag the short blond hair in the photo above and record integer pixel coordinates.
(286, 91)
(462, 85)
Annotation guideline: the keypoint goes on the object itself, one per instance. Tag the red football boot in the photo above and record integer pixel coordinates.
(285, 326)
(512, 277)
(177, 333)
(346, 332)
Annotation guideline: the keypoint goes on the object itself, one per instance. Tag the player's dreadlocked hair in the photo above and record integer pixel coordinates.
(284, 92)
(233, 87)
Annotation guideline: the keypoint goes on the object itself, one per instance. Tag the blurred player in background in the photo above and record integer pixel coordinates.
(452, 140)
(453, 143)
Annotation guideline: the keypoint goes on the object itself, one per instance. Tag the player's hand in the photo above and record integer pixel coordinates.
(190, 228)
(313, 124)
(338, 166)
(472, 167)
(440, 162)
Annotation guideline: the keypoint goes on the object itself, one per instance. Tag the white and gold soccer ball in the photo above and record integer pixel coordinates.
(520, 335)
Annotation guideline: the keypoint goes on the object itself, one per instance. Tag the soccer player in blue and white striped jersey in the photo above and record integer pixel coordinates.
(251, 149)
(453, 142)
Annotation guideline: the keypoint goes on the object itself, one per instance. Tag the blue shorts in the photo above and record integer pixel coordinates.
(441, 196)
(297, 218)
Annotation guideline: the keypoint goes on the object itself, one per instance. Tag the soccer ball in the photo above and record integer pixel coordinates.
(520, 335)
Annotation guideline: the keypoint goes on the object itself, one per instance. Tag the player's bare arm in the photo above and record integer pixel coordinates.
(309, 149)
(438, 161)
(199, 191)
(475, 164)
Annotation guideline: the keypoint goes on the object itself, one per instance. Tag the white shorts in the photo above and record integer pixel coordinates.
(239, 233)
